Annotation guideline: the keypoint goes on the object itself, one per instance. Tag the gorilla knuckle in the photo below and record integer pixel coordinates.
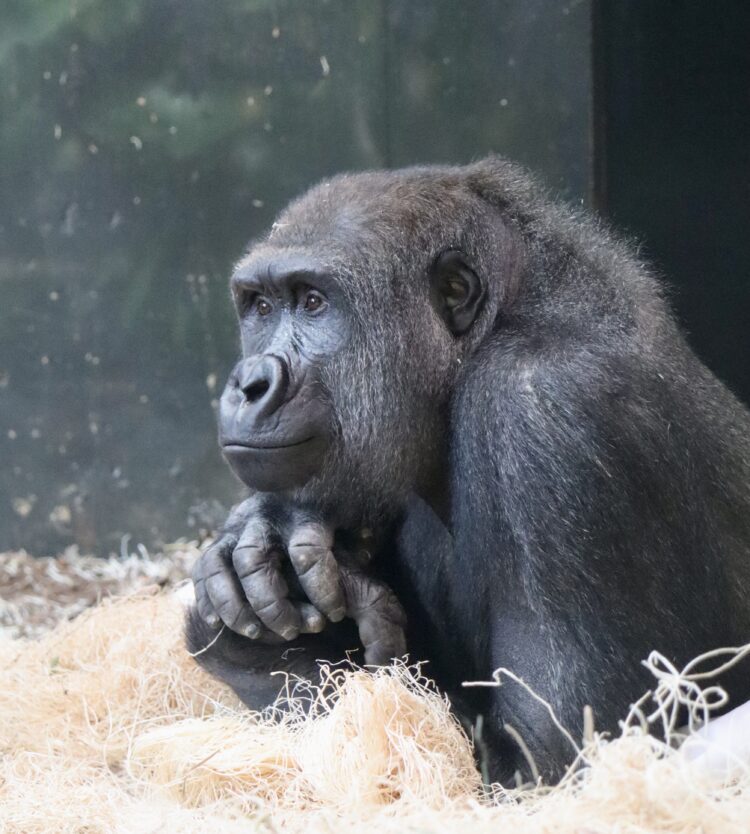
(305, 557)
(205, 609)
(211, 554)
(196, 573)
(216, 587)
(374, 597)
(255, 535)
(330, 598)
(228, 611)
(248, 561)
(312, 533)
(270, 610)
(280, 616)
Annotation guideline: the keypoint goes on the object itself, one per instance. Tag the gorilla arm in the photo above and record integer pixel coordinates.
(593, 547)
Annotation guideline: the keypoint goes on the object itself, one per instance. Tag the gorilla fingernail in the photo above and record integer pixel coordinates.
(314, 625)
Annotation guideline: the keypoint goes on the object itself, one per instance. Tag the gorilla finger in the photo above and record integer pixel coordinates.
(365, 593)
(223, 591)
(313, 622)
(217, 557)
(228, 601)
(265, 589)
(380, 622)
(382, 639)
(214, 555)
(203, 604)
(311, 554)
(379, 616)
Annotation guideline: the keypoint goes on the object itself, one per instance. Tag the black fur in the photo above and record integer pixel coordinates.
(564, 486)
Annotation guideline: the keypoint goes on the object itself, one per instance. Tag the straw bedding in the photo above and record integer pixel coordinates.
(108, 725)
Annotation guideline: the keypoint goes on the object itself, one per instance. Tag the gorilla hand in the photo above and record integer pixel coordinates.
(244, 579)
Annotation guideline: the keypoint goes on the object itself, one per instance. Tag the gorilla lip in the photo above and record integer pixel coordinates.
(259, 448)
(275, 467)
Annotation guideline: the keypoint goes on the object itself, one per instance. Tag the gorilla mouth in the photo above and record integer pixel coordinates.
(259, 447)
(271, 467)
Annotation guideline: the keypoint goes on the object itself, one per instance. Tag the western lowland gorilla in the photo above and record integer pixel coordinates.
(472, 429)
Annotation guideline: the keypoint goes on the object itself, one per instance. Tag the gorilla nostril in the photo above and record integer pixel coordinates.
(256, 390)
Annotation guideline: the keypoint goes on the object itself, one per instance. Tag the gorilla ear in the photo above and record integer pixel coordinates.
(457, 292)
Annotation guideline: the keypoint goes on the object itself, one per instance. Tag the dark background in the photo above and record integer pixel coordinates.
(144, 142)
(672, 159)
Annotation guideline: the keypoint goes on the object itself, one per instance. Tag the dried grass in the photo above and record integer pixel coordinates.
(40, 591)
(107, 725)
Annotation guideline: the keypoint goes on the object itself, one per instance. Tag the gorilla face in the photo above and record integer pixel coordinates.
(352, 340)
(276, 421)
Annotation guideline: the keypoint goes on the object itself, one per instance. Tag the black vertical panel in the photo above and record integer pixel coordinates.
(673, 158)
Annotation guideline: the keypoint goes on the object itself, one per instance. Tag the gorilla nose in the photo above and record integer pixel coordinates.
(264, 380)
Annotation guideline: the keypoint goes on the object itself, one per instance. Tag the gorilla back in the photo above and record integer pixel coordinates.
(497, 385)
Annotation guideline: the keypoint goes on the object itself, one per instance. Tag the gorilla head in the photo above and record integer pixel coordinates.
(355, 315)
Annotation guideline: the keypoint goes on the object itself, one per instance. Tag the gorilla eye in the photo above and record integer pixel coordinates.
(262, 306)
(313, 302)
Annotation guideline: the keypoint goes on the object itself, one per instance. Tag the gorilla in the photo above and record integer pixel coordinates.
(472, 431)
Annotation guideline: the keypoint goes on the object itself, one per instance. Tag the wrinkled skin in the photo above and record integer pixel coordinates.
(495, 387)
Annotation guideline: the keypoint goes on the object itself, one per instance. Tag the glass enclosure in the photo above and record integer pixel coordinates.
(143, 142)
